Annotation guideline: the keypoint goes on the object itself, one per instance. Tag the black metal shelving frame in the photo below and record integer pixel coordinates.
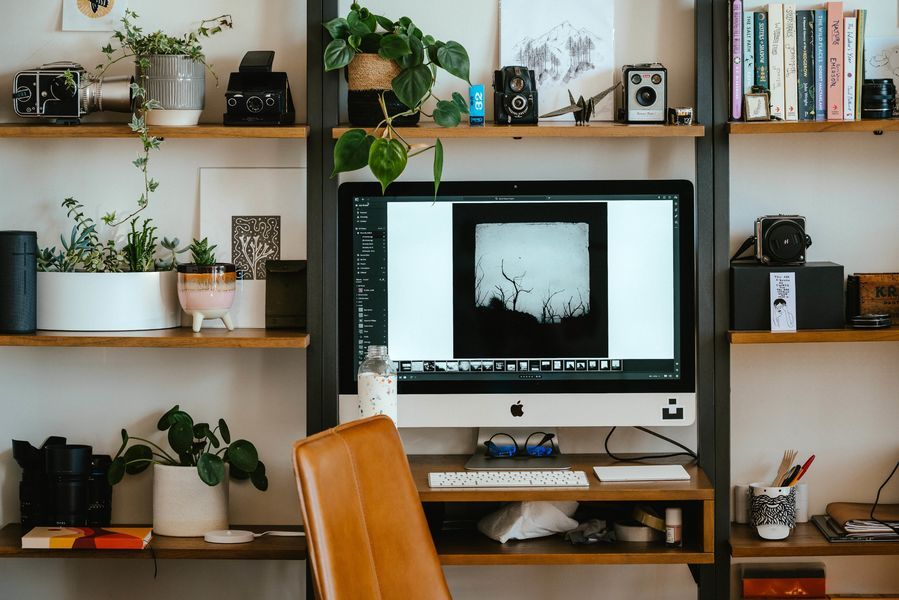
(712, 238)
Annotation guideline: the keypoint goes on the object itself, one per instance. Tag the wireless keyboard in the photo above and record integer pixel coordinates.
(505, 479)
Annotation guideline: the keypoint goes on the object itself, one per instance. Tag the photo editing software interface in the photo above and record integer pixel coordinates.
(477, 288)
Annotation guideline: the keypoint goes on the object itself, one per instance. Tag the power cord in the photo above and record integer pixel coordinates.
(686, 452)
(877, 501)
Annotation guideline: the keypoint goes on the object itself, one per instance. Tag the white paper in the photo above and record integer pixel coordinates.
(570, 45)
(254, 197)
(783, 302)
(92, 15)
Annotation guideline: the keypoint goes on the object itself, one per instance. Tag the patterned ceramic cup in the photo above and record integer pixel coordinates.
(772, 510)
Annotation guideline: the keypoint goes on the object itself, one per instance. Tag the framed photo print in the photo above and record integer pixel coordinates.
(757, 107)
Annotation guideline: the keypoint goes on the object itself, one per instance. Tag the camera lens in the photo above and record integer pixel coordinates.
(68, 470)
(657, 79)
(878, 98)
(516, 84)
(232, 101)
(254, 104)
(108, 93)
(636, 79)
(646, 96)
(785, 242)
(518, 103)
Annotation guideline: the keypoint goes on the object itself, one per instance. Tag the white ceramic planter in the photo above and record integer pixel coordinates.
(184, 506)
(107, 301)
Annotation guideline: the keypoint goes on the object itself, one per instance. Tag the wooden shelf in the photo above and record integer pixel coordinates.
(264, 548)
(815, 335)
(762, 127)
(474, 548)
(698, 488)
(181, 337)
(601, 129)
(121, 130)
(805, 540)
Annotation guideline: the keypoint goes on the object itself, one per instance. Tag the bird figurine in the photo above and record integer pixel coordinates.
(582, 109)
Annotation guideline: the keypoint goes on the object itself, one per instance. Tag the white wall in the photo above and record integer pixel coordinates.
(837, 401)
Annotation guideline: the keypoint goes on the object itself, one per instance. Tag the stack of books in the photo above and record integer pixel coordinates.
(811, 62)
(852, 522)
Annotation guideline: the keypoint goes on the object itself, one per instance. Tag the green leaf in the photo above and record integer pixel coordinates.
(224, 431)
(181, 416)
(438, 166)
(141, 453)
(371, 43)
(387, 159)
(415, 57)
(181, 435)
(211, 469)
(259, 479)
(201, 430)
(243, 455)
(447, 114)
(432, 52)
(213, 440)
(116, 471)
(385, 23)
(351, 151)
(357, 25)
(454, 59)
(338, 54)
(238, 474)
(412, 85)
(355, 42)
(164, 422)
(405, 22)
(394, 46)
(337, 28)
(459, 101)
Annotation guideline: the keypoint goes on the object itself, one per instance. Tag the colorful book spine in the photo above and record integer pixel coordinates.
(776, 59)
(805, 41)
(861, 17)
(849, 35)
(748, 51)
(761, 49)
(737, 59)
(835, 55)
(791, 79)
(820, 65)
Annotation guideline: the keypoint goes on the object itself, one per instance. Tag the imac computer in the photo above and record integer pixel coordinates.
(522, 304)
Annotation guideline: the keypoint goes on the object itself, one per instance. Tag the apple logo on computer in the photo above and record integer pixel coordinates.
(517, 409)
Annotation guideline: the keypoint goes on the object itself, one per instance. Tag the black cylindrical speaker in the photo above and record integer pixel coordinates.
(18, 276)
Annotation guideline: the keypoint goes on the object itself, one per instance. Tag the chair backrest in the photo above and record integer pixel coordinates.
(365, 526)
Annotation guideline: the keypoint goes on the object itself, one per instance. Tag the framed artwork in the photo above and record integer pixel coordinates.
(569, 44)
(253, 215)
(92, 15)
(756, 107)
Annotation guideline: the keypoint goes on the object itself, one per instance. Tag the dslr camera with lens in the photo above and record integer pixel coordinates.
(778, 240)
(48, 93)
(515, 95)
(644, 96)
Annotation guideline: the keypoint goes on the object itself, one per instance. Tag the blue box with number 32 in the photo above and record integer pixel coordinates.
(476, 104)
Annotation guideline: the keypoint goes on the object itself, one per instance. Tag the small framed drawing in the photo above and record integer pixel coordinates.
(757, 107)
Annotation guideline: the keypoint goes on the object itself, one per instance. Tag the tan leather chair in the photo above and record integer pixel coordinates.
(365, 527)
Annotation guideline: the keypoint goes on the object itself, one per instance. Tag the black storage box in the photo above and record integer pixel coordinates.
(819, 295)
(285, 294)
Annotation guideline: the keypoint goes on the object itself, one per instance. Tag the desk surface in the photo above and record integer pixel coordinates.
(698, 488)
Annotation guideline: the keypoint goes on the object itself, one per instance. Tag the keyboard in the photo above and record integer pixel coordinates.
(507, 479)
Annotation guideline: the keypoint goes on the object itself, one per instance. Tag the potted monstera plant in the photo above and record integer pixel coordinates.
(391, 67)
(190, 482)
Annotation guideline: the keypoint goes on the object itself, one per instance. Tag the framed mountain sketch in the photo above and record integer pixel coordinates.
(569, 44)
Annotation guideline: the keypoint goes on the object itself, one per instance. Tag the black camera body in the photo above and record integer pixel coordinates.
(781, 240)
(514, 96)
(644, 93)
(258, 96)
(46, 92)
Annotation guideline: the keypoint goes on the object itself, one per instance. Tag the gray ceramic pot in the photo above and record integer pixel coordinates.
(178, 83)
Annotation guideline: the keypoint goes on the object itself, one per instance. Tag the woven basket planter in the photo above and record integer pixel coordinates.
(369, 76)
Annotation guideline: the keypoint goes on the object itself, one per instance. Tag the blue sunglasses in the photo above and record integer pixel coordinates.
(502, 449)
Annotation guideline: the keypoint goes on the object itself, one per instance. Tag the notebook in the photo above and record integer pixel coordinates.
(91, 538)
(642, 473)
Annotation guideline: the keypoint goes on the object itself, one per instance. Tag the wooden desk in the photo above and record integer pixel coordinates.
(470, 547)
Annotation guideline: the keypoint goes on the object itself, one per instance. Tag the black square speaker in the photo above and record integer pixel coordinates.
(18, 275)
(819, 295)
(285, 294)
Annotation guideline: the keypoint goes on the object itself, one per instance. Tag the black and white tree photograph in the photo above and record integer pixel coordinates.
(537, 287)
(254, 240)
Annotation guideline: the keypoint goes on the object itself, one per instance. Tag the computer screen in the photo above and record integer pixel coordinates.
(517, 287)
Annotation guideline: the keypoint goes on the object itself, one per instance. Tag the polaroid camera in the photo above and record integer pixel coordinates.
(258, 96)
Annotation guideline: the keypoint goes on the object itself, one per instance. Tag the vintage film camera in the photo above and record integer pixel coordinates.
(644, 93)
(778, 240)
(258, 96)
(514, 95)
(44, 92)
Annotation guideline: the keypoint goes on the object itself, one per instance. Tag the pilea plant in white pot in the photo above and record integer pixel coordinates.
(190, 492)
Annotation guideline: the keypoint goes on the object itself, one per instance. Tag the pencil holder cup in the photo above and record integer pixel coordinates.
(772, 510)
